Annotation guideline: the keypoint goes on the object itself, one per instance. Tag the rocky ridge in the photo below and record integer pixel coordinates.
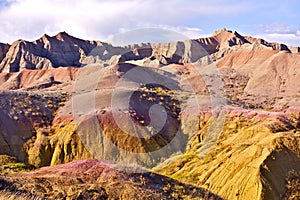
(63, 50)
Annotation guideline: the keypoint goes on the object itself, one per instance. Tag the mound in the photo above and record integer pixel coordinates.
(93, 179)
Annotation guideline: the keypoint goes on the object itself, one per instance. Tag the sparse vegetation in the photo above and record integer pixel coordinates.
(9, 165)
(148, 95)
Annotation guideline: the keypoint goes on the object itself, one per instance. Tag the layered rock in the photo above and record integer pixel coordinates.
(271, 72)
(64, 50)
(61, 140)
(50, 80)
(45, 53)
(221, 40)
(72, 131)
(273, 45)
(92, 116)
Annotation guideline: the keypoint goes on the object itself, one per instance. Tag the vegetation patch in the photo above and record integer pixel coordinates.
(10, 165)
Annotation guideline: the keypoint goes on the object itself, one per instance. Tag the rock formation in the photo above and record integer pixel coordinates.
(3, 50)
(64, 50)
(229, 116)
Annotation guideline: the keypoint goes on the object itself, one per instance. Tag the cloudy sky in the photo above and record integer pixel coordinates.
(273, 20)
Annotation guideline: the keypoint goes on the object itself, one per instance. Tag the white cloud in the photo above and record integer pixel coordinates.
(156, 34)
(31, 18)
(278, 32)
(98, 19)
(276, 27)
(190, 32)
(290, 39)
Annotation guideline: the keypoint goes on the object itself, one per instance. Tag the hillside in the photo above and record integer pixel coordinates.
(220, 113)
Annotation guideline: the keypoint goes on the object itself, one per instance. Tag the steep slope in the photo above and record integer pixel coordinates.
(221, 40)
(21, 115)
(46, 53)
(278, 75)
(64, 50)
(3, 50)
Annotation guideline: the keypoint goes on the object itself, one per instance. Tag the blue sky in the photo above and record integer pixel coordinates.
(96, 19)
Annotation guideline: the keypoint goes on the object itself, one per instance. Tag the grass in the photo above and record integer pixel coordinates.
(9, 165)
(17, 167)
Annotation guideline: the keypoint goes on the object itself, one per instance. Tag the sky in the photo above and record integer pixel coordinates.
(272, 20)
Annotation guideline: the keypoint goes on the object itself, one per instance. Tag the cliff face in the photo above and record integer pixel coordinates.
(3, 50)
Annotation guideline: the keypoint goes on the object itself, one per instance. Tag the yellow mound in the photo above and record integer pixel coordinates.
(251, 160)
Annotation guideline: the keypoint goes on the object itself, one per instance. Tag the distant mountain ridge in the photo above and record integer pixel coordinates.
(64, 50)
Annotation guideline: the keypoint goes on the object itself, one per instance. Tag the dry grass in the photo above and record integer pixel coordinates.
(8, 195)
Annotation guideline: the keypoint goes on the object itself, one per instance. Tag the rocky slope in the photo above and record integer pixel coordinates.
(220, 113)
(64, 50)
(46, 53)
